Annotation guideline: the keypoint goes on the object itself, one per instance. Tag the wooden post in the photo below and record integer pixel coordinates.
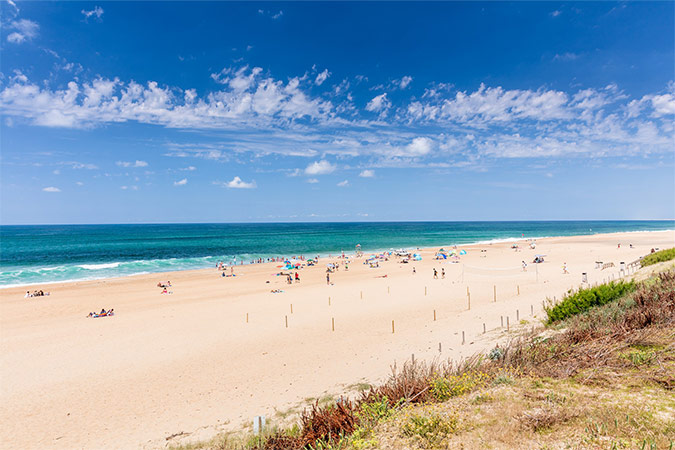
(468, 298)
(425, 290)
(463, 340)
(392, 327)
(532, 310)
(495, 290)
(361, 295)
(332, 323)
(517, 315)
(387, 289)
(286, 321)
(467, 291)
(507, 323)
(413, 359)
(328, 301)
(483, 327)
(434, 315)
(518, 289)
(291, 308)
(502, 319)
(246, 317)
(439, 347)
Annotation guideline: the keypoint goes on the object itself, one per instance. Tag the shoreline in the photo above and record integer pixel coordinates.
(349, 253)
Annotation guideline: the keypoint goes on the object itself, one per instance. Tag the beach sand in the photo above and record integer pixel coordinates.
(188, 362)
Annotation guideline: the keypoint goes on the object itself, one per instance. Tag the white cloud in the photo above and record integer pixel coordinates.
(556, 13)
(247, 98)
(51, 189)
(97, 11)
(79, 183)
(237, 183)
(78, 165)
(662, 105)
(56, 172)
(344, 183)
(258, 115)
(312, 180)
(319, 168)
(132, 164)
(378, 103)
(16, 38)
(489, 105)
(25, 30)
(405, 81)
(368, 173)
(274, 16)
(419, 146)
(321, 77)
(182, 182)
(567, 56)
(13, 5)
(188, 168)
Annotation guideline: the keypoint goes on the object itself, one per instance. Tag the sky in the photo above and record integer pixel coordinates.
(130, 112)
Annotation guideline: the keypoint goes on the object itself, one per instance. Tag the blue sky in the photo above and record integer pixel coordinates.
(218, 112)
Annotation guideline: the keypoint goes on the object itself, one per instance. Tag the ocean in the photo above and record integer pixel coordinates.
(31, 254)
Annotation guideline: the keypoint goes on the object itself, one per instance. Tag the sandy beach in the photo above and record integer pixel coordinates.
(189, 363)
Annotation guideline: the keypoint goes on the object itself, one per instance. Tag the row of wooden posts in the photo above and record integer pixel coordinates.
(393, 324)
(468, 298)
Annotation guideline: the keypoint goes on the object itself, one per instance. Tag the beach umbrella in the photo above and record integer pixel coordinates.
(462, 252)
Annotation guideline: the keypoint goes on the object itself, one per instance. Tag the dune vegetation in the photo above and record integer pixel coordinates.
(657, 257)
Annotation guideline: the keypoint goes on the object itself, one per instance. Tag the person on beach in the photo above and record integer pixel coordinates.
(414, 271)
(27, 295)
(565, 268)
(297, 277)
(443, 273)
(328, 278)
(435, 274)
(524, 266)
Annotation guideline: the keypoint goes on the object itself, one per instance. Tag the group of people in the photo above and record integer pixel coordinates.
(103, 313)
(222, 266)
(289, 278)
(39, 293)
(165, 287)
(436, 273)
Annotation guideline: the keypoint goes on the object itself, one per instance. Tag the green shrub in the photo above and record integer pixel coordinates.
(657, 257)
(372, 412)
(584, 299)
(430, 429)
(444, 388)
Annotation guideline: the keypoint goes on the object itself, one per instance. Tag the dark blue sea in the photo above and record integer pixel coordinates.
(51, 253)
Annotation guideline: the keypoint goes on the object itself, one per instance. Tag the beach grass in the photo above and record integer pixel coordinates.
(657, 257)
(576, 302)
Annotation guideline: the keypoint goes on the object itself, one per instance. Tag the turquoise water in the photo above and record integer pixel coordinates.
(52, 253)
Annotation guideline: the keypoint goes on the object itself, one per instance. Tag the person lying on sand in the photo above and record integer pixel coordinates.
(103, 313)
